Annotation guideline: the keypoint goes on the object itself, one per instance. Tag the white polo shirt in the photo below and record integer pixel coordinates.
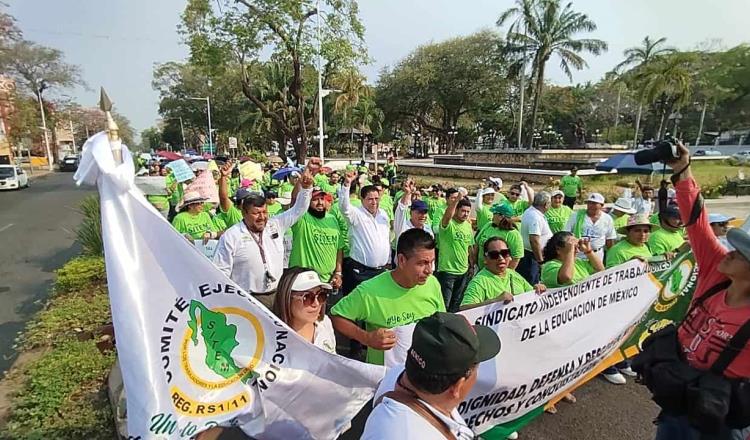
(238, 256)
(643, 206)
(369, 235)
(393, 420)
(402, 224)
(533, 222)
(598, 232)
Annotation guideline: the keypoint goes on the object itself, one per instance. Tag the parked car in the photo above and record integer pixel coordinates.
(710, 152)
(742, 156)
(69, 163)
(13, 177)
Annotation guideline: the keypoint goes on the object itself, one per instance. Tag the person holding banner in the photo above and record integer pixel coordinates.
(391, 299)
(497, 279)
(706, 359)
(251, 252)
(420, 400)
(192, 221)
(301, 303)
(634, 245)
(502, 226)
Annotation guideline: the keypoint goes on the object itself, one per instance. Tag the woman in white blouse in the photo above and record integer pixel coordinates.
(301, 303)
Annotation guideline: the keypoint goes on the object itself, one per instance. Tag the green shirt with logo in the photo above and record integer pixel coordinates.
(582, 269)
(484, 217)
(519, 207)
(315, 244)
(454, 241)
(512, 239)
(381, 303)
(274, 208)
(625, 251)
(486, 286)
(193, 225)
(620, 221)
(557, 218)
(343, 223)
(570, 185)
(662, 241)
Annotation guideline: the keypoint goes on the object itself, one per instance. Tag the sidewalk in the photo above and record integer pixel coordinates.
(37, 172)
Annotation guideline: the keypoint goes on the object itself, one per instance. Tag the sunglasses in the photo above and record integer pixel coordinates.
(308, 297)
(494, 255)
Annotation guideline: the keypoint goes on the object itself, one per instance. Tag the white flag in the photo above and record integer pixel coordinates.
(197, 351)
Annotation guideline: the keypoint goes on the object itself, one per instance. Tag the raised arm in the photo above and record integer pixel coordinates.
(450, 210)
(225, 172)
(286, 219)
(594, 260)
(399, 219)
(345, 205)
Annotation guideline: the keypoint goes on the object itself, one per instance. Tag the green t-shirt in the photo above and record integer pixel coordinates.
(662, 241)
(512, 239)
(194, 225)
(486, 286)
(274, 209)
(620, 221)
(386, 204)
(175, 189)
(557, 218)
(454, 242)
(381, 303)
(285, 188)
(624, 251)
(321, 180)
(581, 270)
(231, 217)
(519, 207)
(160, 202)
(315, 244)
(484, 217)
(570, 185)
(343, 223)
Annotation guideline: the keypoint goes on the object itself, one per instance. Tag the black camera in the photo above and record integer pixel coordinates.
(663, 151)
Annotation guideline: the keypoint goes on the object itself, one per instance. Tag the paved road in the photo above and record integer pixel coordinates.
(37, 236)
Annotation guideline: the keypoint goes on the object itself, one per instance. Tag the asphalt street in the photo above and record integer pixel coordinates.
(37, 236)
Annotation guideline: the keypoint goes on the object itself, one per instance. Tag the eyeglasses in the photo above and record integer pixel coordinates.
(515, 194)
(308, 297)
(494, 255)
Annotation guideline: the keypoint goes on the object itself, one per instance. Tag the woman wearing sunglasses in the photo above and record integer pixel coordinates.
(301, 303)
(497, 279)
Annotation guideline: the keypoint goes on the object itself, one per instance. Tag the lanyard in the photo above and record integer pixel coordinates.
(268, 278)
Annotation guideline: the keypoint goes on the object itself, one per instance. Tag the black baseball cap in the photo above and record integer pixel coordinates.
(419, 205)
(446, 343)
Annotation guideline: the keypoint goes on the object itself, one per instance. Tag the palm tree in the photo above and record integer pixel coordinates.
(543, 28)
(369, 118)
(352, 87)
(641, 56)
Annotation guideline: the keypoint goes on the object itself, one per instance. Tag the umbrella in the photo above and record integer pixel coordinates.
(625, 164)
(283, 172)
(169, 155)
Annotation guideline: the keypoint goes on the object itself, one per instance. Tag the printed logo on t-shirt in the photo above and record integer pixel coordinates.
(402, 319)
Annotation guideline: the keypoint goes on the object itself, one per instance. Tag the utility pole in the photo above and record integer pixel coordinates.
(320, 90)
(72, 135)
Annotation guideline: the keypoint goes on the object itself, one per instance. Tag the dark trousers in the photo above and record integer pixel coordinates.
(569, 201)
(452, 287)
(172, 213)
(354, 274)
(529, 268)
(670, 427)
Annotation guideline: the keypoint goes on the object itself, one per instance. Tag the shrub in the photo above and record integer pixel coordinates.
(258, 156)
(713, 191)
(67, 316)
(80, 273)
(89, 233)
(62, 396)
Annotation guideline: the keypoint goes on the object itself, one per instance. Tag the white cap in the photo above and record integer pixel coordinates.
(596, 198)
(624, 204)
(309, 280)
(463, 191)
(497, 181)
(487, 191)
(557, 192)
(719, 218)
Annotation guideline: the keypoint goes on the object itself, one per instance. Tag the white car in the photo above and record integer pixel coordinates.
(13, 177)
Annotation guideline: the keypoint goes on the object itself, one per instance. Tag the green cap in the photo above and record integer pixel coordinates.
(446, 343)
(502, 209)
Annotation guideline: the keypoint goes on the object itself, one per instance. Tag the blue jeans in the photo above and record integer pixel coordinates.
(617, 367)
(670, 427)
(529, 268)
(452, 287)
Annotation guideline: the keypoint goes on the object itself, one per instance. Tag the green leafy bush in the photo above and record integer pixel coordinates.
(66, 317)
(80, 273)
(89, 233)
(713, 191)
(258, 156)
(63, 396)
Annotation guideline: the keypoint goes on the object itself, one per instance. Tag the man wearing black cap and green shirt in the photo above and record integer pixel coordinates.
(420, 400)
(667, 239)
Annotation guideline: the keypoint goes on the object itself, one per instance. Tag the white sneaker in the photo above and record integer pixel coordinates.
(616, 378)
(628, 372)
(512, 436)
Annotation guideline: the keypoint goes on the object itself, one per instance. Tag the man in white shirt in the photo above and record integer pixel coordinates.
(251, 252)
(369, 235)
(594, 225)
(410, 213)
(535, 232)
(644, 202)
(420, 400)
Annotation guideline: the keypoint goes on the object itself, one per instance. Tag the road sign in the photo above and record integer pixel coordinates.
(232, 143)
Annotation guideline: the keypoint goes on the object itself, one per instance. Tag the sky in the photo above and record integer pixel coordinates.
(117, 42)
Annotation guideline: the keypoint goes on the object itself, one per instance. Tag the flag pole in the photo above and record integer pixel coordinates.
(113, 131)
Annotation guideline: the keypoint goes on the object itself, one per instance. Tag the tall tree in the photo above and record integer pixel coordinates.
(351, 87)
(243, 31)
(544, 28)
(640, 57)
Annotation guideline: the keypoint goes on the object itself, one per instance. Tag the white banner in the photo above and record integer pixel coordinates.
(195, 350)
(549, 342)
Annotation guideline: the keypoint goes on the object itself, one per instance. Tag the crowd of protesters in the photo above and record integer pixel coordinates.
(354, 253)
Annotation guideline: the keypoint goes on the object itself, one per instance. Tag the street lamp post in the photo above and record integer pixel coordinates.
(452, 135)
(208, 109)
(44, 124)
(182, 131)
